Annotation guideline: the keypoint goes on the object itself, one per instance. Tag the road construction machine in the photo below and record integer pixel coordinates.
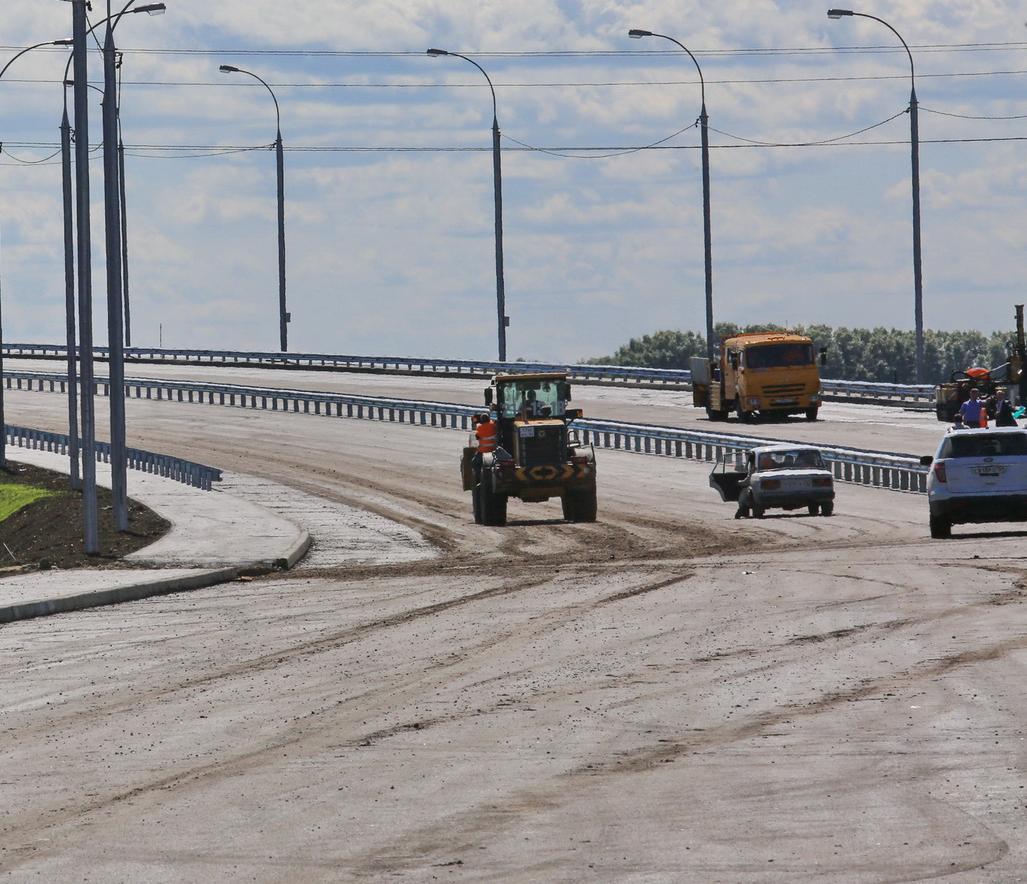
(759, 374)
(538, 456)
(1009, 376)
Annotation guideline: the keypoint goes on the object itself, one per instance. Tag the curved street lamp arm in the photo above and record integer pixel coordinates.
(912, 73)
(278, 112)
(495, 114)
(29, 49)
(702, 82)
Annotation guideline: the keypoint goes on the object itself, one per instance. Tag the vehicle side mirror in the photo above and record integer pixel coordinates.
(572, 414)
(926, 460)
(823, 355)
(734, 361)
(488, 395)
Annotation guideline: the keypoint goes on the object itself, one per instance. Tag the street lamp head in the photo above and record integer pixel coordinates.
(838, 13)
(437, 52)
(228, 69)
(63, 43)
(636, 34)
(152, 9)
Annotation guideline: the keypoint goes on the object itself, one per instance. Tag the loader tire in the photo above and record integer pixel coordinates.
(476, 505)
(491, 505)
(582, 506)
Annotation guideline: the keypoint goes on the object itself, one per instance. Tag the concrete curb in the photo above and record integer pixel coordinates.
(136, 591)
(130, 593)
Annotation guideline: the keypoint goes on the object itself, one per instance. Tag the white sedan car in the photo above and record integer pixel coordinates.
(977, 476)
(787, 477)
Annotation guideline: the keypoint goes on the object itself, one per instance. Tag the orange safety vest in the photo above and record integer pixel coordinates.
(487, 438)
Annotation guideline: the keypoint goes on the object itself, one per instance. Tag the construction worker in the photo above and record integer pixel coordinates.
(487, 433)
(973, 410)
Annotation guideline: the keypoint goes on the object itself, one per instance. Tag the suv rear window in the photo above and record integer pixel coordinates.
(999, 445)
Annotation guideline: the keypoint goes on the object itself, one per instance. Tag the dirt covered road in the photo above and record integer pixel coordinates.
(666, 695)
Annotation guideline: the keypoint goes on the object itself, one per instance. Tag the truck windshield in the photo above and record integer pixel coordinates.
(778, 355)
(534, 398)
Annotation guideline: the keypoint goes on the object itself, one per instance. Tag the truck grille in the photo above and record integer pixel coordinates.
(784, 389)
(545, 447)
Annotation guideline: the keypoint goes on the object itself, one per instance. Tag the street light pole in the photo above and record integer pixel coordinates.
(914, 140)
(124, 220)
(284, 317)
(69, 297)
(704, 122)
(497, 184)
(85, 286)
(115, 315)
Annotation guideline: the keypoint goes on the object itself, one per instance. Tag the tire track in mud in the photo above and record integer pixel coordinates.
(463, 831)
(412, 685)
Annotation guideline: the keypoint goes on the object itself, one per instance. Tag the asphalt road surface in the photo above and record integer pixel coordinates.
(668, 694)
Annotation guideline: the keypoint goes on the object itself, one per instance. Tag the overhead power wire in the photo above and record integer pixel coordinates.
(601, 156)
(587, 53)
(837, 138)
(547, 85)
(942, 113)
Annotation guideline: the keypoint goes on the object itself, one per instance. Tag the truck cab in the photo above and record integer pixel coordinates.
(759, 374)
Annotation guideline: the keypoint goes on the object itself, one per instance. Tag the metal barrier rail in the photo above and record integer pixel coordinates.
(667, 377)
(184, 471)
(900, 472)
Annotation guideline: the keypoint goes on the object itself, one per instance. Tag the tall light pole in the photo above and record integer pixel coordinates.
(497, 186)
(284, 317)
(704, 123)
(914, 139)
(80, 30)
(72, 417)
(112, 227)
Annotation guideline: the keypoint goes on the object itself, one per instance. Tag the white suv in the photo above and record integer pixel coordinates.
(978, 476)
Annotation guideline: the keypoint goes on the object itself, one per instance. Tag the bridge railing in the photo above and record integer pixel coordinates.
(901, 472)
(603, 374)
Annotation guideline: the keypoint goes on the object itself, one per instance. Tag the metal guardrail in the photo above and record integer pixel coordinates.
(184, 471)
(901, 472)
(603, 374)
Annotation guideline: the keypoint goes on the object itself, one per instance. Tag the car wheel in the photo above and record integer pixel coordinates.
(813, 509)
(941, 528)
(757, 511)
(827, 507)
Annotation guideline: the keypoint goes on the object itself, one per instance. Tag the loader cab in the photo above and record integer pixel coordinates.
(532, 412)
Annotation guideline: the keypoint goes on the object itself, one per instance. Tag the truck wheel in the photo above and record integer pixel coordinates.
(746, 417)
(714, 415)
(827, 507)
(941, 528)
(813, 508)
(492, 506)
(580, 507)
(811, 413)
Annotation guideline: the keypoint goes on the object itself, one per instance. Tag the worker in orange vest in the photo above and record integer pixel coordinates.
(487, 433)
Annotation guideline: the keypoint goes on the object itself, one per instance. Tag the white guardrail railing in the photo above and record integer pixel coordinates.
(184, 471)
(900, 472)
(600, 374)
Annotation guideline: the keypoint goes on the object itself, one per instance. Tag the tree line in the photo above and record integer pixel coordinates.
(884, 355)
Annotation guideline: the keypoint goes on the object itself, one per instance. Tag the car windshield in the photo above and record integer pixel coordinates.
(801, 459)
(534, 398)
(778, 355)
(997, 445)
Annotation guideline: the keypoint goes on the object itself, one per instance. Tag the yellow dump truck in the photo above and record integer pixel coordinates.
(759, 374)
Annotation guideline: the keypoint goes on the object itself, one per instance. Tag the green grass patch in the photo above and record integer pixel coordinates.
(14, 497)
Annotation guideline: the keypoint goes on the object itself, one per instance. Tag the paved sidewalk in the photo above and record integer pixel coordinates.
(214, 537)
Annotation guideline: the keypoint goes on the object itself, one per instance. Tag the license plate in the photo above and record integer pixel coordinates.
(990, 471)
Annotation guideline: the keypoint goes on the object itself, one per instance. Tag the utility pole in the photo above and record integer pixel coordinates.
(115, 317)
(69, 299)
(85, 303)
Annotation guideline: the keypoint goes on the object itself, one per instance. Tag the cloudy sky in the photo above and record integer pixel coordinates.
(390, 250)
